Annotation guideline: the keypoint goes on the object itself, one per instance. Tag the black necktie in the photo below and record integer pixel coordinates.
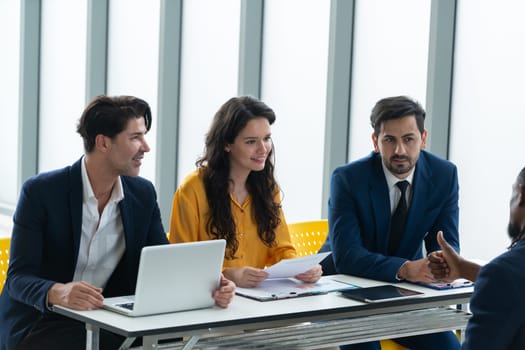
(398, 219)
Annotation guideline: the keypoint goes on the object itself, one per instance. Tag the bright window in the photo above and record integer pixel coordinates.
(133, 57)
(209, 74)
(390, 59)
(62, 82)
(295, 60)
(487, 119)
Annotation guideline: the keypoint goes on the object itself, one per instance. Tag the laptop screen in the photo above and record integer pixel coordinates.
(174, 277)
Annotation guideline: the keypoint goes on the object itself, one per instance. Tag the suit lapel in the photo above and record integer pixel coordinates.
(75, 204)
(378, 191)
(126, 212)
(127, 215)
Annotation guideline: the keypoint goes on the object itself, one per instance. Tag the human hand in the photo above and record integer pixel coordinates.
(445, 264)
(246, 277)
(416, 271)
(438, 266)
(311, 276)
(224, 294)
(75, 295)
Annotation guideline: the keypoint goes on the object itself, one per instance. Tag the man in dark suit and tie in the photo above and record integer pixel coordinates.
(78, 232)
(385, 206)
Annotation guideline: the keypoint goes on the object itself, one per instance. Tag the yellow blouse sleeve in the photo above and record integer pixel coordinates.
(188, 210)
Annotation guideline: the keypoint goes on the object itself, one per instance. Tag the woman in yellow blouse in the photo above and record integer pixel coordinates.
(233, 195)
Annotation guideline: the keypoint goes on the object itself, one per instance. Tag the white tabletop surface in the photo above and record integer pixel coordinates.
(243, 312)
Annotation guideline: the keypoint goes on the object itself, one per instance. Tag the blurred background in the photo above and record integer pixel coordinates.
(320, 64)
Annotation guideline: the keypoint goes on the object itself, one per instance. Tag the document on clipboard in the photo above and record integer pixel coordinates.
(284, 288)
(290, 267)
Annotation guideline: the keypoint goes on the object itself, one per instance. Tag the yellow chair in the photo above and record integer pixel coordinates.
(4, 259)
(307, 238)
(387, 344)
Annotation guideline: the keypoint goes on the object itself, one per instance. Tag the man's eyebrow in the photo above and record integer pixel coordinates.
(404, 135)
(137, 133)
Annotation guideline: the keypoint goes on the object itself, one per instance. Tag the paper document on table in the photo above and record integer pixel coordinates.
(291, 267)
(284, 288)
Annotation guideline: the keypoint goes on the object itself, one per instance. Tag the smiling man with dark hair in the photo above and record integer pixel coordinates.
(78, 232)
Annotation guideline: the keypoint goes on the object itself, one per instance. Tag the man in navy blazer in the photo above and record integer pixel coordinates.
(497, 303)
(364, 196)
(78, 232)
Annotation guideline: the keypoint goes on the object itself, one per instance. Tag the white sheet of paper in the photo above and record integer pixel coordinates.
(283, 288)
(290, 267)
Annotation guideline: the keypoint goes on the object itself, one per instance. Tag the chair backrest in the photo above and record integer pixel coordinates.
(4, 259)
(308, 236)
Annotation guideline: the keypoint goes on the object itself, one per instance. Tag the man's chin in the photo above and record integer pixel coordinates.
(401, 171)
(133, 172)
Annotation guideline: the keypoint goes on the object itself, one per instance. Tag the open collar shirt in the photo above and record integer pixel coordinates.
(102, 241)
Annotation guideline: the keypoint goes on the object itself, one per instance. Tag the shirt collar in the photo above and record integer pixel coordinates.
(391, 180)
(116, 195)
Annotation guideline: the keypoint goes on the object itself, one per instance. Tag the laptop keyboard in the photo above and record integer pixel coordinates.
(128, 306)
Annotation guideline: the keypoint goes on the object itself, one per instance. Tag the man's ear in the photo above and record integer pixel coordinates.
(102, 142)
(375, 143)
(521, 195)
(424, 139)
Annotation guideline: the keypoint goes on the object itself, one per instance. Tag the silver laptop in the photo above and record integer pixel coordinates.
(173, 277)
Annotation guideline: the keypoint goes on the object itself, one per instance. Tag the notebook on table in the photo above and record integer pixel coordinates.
(173, 277)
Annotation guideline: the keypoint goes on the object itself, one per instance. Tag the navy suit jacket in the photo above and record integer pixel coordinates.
(46, 238)
(359, 215)
(498, 304)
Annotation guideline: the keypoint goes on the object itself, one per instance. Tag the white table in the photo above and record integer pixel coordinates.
(297, 323)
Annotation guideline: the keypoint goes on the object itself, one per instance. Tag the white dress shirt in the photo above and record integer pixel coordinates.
(102, 241)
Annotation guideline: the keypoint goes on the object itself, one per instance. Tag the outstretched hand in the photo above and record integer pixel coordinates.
(416, 271)
(444, 264)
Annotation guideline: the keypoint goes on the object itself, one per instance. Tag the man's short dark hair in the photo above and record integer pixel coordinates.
(109, 116)
(396, 107)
